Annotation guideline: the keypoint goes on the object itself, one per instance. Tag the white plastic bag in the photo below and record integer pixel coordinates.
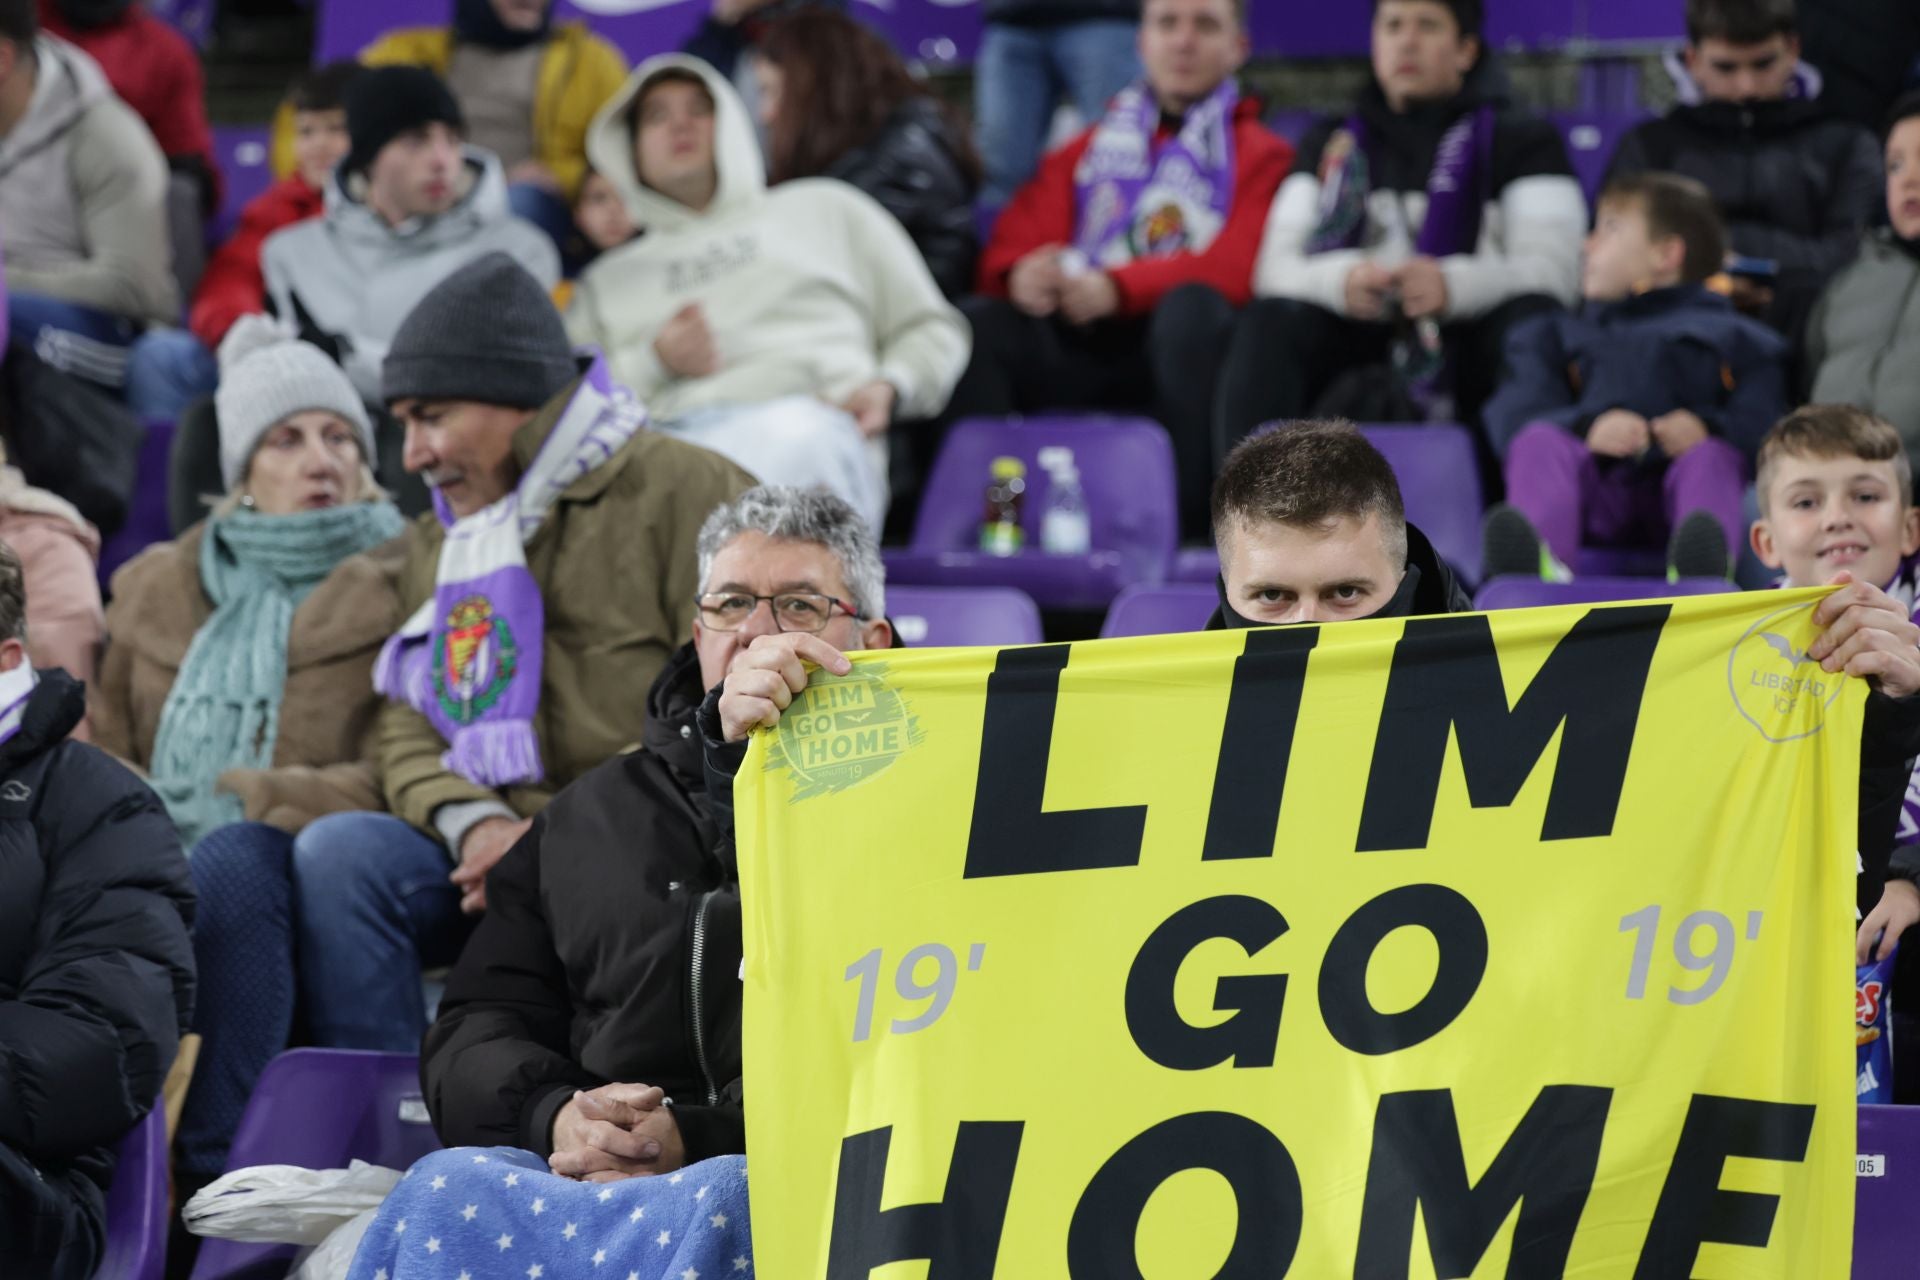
(285, 1204)
(334, 1256)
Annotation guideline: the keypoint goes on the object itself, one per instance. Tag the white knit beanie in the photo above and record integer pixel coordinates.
(267, 375)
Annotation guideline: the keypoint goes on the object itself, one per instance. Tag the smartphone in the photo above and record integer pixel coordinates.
(1761, 270)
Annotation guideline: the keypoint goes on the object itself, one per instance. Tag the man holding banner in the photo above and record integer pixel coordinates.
(1269, 904)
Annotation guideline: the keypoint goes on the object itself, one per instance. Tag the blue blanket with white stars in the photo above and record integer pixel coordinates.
(497, 1213)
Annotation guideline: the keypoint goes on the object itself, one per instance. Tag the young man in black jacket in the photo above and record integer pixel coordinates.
(604, 978)
(1795, 185)
(1310, 527)
(96, 967)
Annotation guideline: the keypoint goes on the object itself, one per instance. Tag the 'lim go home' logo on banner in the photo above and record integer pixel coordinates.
(1780, 690)
(842, 731)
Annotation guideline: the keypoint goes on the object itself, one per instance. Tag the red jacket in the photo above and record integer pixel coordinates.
(233, 285)
(1044, 213)
(157, 73)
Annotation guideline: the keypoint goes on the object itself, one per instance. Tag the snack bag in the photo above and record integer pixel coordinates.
(1873, 1029)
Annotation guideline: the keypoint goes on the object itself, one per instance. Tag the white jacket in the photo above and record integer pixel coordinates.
(810, 289)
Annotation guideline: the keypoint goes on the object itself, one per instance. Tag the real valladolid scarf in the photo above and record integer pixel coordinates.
(1456, 188)
(470, 658)
(1134, 204)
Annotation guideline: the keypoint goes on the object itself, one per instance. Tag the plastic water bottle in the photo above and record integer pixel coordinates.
(1000, 531)
(1065, 528)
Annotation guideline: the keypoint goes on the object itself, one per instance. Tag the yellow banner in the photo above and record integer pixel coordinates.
(1510, 945)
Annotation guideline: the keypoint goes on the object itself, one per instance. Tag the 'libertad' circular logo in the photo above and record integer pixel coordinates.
(842, 730)
(1780, 690)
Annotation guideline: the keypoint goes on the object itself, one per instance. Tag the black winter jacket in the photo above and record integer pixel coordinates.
(96, 978)
(1034, 13)
(914, 169)
(582, 972)
(1794, 185)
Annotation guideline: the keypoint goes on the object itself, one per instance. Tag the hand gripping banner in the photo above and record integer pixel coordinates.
(1510, 945)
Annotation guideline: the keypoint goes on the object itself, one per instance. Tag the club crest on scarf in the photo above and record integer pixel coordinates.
(1134, 204)
(475, 662)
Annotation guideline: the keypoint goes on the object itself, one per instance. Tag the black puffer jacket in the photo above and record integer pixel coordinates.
(915, 170)
(96, 978)
(1794, 184)
(581, 972)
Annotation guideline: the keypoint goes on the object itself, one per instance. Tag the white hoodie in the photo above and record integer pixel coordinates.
(809, 289)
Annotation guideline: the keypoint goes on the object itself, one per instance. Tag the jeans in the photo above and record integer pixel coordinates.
(551, 214)
(243, 950)
(168, 370)
(1021, 72)
(373, 908)
(1572, 495)
(798, 441)
(79, 340)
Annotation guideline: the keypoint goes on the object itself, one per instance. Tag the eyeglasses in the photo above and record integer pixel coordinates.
(792, 610)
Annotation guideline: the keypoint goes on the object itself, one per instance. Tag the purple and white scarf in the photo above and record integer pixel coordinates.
(16, 686)
(470, 658)
(1136, 204)
(1457, 188)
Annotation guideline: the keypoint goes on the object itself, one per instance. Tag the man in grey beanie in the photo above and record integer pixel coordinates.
(548, 587)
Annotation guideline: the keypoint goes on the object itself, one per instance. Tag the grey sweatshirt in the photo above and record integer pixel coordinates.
(83, 195)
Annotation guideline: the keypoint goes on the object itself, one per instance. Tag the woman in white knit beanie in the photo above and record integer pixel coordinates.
(238, 675)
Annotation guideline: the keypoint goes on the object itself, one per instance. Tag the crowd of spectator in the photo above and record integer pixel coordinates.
(534, 377)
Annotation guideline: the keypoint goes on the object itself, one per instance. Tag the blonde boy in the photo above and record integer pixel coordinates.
(1836, 506)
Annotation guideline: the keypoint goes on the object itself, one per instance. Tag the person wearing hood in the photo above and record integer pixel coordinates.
(96, 965)
(154, 70)
(1795, 185)
(83, 206)
(1413, 234)
(837, 102)
(548, 587)
(409, 206)
(1110, 281)
(1310, 526)
(783, 328)
(1863, 342)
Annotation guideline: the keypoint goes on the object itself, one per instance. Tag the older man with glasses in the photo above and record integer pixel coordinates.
(594, 1018)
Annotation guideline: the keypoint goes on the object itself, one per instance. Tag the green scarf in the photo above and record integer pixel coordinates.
(223, 711)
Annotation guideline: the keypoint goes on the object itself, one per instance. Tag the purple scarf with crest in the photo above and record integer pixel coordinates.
(1457, 187)
(1133, 203)
(470, 658)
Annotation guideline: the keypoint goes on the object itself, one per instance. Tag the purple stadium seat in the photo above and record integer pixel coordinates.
(1621, 562)
(137, 1204)
(1530, 593)
(244, 162)
(1195, 564)
(1126, 469)
(146, 521)
(1161, 611)
(1886, 1233)
(1591, 137)
(320, 1109)
(1440, 483)
(939, 616)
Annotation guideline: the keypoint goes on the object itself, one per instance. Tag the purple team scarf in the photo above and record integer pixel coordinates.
(1136, 204)
(1457, 188)
(470, 658)
(16, 686)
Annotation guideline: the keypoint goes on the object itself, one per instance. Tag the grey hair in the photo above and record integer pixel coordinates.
(802, 515)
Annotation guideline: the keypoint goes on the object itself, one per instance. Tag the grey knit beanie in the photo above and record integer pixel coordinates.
(266, 375)
(486, 333)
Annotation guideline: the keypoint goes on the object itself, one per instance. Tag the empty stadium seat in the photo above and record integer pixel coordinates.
(137, 1218)
(942, 616)
(1195, 564)
(1531, 593)
(1126, 471)
(1439, 476)
(1591, 137)
(1160, 611)
(321, 1109)
(1886, 1233)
